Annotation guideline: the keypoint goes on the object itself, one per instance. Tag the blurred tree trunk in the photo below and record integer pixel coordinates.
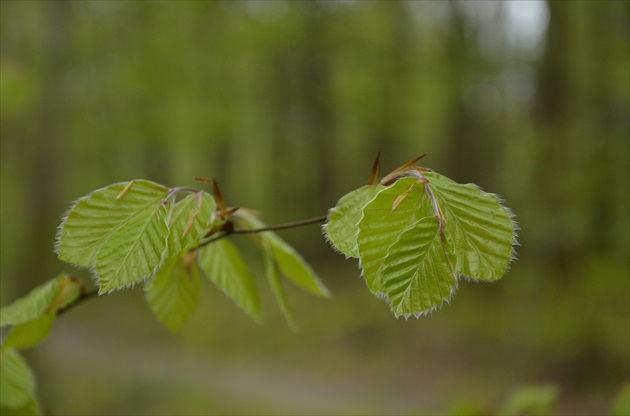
(463, 147)
(48, 146)
(394, 77)
(314, 99)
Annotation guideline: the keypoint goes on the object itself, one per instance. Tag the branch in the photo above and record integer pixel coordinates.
(277, 227)
(94, 292)
(82, 297)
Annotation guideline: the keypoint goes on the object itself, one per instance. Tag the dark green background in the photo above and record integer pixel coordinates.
(286, 104)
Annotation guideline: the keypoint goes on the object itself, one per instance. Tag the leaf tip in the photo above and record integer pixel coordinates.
(374, 179)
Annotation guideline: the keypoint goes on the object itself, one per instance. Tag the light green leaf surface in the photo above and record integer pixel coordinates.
(190, 219)
(342, 227)
(290, 262)
(482, 230)
(133, 252)
(417, 274)
(17, 384)
(30, 408)
(381, 226)
(223, 265)
(93, 219)
(29, 333)
(276, 288)
(173, 293)
(29, 319)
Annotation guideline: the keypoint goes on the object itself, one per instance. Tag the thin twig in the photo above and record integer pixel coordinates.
(277, 227)
(94, 292)
(82, 297)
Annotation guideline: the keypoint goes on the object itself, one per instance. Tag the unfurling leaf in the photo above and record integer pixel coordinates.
(276, 287)
(415, 238)
(381, 226)
(342, 227)
(482, 229)
(417, 273)
(223, 265)
(28, 320)
(17, 385)
(123, 239)
(290, 262)
(173, 293)
(190, 220)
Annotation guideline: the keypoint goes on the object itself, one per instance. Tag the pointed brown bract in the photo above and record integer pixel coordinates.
(202, 179)
(218, 196)
(399, 171)
(375, 170)
(222, 209)
(125, 189)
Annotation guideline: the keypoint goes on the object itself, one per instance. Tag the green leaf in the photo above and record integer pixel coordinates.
(119, 230)
(17, 384)
(381, 226)
(481, 228)
(621, 403)
(30, 408)
(276, 288)
(102, 217)
(173, 293)
(28, 320)
(29, 333)
(223, 265)
(342, 227)
(290, 262)
(417, 274)
(190, 220)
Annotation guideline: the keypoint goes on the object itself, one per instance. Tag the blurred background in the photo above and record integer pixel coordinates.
(286, 103)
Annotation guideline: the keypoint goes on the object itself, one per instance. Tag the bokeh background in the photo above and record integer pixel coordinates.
(286, 103)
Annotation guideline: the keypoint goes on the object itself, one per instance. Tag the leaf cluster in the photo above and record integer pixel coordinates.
(416, 233)
(166, 239)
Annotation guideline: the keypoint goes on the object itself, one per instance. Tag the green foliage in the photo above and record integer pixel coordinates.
(483, 231)
(417, 273)
(223, 265)
(24, 323)
(17, 385)
(28, 320)
(277, 254)
(532, 400)
(416, 237)
(415, 233)
(173, 293)
(621, 403)
(343, 223)
(119, 230)
(190, 219)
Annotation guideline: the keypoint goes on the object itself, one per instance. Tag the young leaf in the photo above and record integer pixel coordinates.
(28, 320)
(417, 275)
(29, 333)
(173, 293)
(381, 226)
(223, 265)
(290, 262)
(17, 384)
(276, 288)
(481, 228)
(190, 219)
(342, 227)
(134, 251)
(93, 219)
